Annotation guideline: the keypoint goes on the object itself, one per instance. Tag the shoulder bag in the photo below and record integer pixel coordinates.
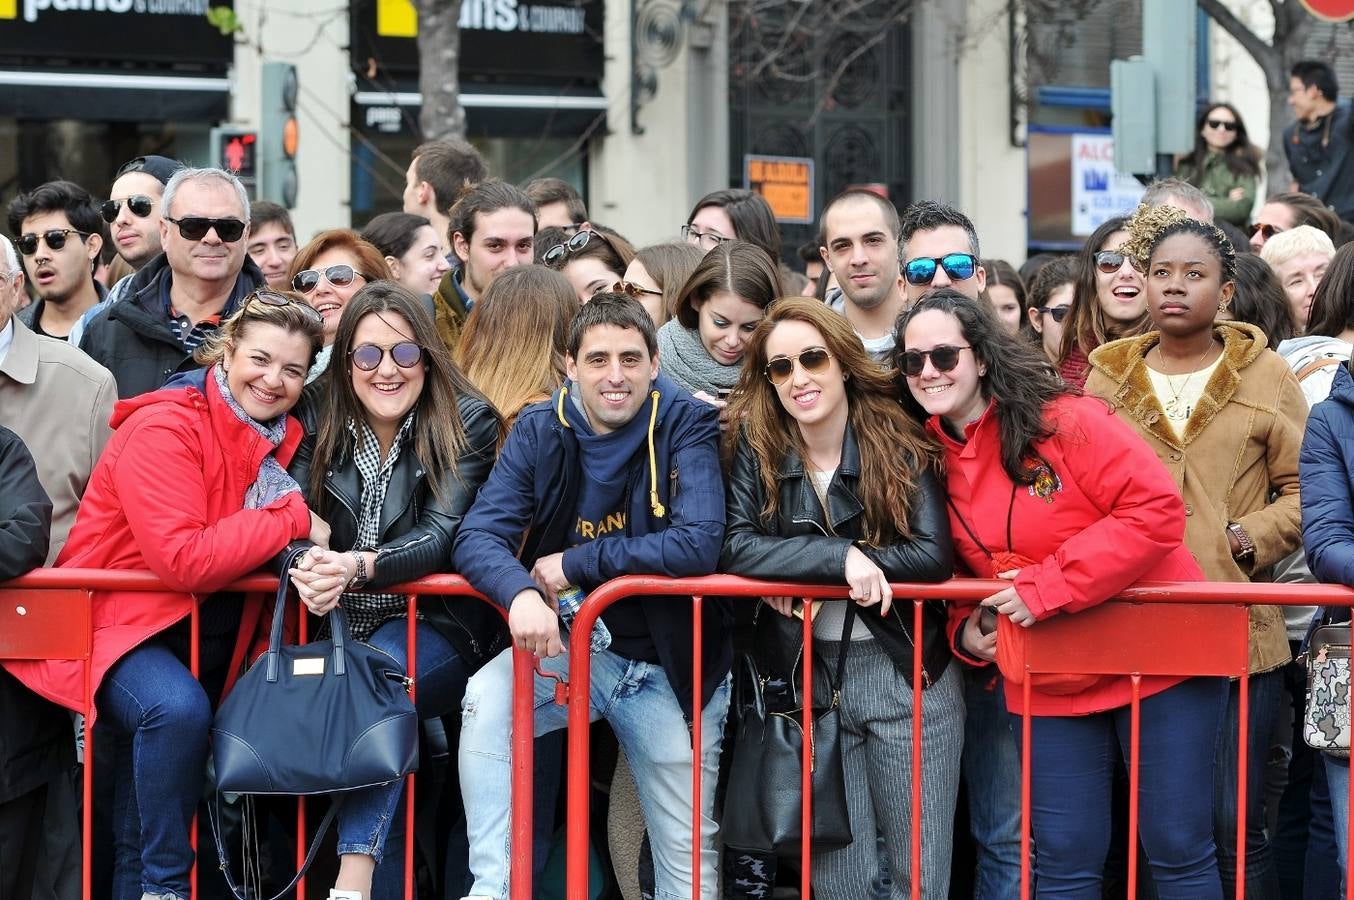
(1325, 716)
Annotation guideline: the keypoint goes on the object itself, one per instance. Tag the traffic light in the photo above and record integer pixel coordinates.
(279, 136)
(236, 150)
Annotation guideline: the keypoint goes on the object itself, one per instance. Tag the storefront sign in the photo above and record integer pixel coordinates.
(1098, 191)
(785, 183)
(127, 31)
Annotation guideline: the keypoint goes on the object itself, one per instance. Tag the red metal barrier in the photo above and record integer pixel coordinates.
(46, 615)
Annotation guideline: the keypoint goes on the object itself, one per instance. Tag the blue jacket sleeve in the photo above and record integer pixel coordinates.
(1327, 499)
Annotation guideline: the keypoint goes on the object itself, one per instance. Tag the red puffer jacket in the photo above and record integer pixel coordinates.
(168, 495)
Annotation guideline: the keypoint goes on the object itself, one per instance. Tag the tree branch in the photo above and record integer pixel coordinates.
(1264, 54)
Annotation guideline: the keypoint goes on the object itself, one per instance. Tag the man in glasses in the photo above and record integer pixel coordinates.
(57, 230)
(617, 474)
(439, 173)
(858, 240)
(940, 249)
(177, 300)
(1318, 144)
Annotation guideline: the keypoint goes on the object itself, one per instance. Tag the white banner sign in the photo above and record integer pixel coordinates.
(1098, 191)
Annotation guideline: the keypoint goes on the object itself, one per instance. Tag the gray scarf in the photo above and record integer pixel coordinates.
(273, 483)
(685, 360)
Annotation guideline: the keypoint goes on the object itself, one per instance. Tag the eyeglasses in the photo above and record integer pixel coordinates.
(944, 357)
(275, 298)
(55, 240)
(139, 204)
(195, 228)
(1266, 229)
(1219, 123)
(706, 240)
(557, 254)
(1109, 261)
(813, 360)
(1057, 312)
(957, 266)
(367, 357)
(341, 275)
(634, 290)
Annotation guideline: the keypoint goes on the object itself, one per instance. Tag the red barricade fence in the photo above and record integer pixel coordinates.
(1150, 630)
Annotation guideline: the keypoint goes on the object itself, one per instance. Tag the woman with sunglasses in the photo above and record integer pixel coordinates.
(832, 481)
(392, 469)
(412, 248)
(1226, 416)
(593, 259)
(702, 346)
(656, 275)
(1223, 164)
(1051, 292)
(1109, 302)
(192, 488)
(1049, 491)
(328, 271)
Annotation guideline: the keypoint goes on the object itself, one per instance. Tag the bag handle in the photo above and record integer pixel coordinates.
(338, 622)
(214, 813)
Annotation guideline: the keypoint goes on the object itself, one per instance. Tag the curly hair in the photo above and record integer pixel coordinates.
(1150, 225)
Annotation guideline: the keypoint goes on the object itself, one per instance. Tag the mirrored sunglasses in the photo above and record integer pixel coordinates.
(957, 267)
(367, 357)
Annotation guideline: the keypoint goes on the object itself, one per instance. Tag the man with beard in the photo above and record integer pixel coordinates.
(858, 240)
(58, 233)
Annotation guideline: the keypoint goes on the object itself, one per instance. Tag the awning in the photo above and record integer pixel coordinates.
(118, 97)
(501, 111)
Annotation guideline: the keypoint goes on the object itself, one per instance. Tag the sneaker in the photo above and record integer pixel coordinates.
(335, 894)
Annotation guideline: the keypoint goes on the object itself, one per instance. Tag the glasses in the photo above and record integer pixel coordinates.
(957, 266)
(1109, 261)
(557, 254)
(813, 361)
(634, 290)
(55, 240)
(274, 298)
(1219, 123)
(341, 275)
(139, 204)
(195, 228)
(706, 240)
(367, 357)
(944, 357)
(1057, 312)
(1266, 229)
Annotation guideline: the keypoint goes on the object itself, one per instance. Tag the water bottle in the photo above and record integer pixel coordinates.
(570, 599)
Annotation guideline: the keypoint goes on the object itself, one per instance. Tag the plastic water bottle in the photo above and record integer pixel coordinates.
(570, 599)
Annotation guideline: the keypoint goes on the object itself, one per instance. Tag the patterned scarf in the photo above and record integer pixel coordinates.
(273, 483)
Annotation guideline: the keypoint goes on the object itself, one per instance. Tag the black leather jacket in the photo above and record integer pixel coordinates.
(800, 546)
(417, 528)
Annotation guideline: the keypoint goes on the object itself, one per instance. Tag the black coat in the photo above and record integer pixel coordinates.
(417, 528)
(36, 741)
(800, 545)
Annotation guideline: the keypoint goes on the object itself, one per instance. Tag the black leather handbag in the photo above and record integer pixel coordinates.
(320, 718)
(763, 809)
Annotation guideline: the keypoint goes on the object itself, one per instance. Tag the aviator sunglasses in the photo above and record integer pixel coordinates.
(813, 360)
(634, 290)
(139, 204)
(1266, 229)
(340, 275)
(944, 357)
(195, 228)
(55, 240)
(957, 266)
(1110, 261)
(367, 357)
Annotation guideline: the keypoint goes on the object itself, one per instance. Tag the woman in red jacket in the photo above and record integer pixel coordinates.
(192, 487)
(1053, 493)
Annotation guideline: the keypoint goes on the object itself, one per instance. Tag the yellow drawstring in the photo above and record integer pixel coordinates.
(559, 408)
(659, 510)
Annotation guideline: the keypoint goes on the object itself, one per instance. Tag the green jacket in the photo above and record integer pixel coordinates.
(1217, 181)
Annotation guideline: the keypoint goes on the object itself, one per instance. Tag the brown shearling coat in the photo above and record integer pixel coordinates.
(1237, 461)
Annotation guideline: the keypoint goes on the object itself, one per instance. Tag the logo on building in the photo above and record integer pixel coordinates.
(34, 8)
(398, 18)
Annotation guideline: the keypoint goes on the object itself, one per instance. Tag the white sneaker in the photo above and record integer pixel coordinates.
(335, 894)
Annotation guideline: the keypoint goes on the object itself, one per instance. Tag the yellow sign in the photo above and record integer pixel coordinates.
(394, 18)
(785, 183)
(9, 9)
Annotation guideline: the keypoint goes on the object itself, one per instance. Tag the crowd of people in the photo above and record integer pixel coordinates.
(491, 383)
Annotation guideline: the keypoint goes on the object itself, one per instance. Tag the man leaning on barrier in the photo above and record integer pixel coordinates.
(618, 473)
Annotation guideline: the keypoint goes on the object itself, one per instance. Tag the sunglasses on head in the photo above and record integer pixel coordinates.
(634, 290)
(1057, 312)
(274, 298)
(54, 238)
(341, 275)
(195, 228)
(367, 357)
(1266, 229)
(944, 357)
(957, 266)
(1219, 123)
(706, 240)
(813, 360)
(1109, 261)
(139, 204)
(557, 254)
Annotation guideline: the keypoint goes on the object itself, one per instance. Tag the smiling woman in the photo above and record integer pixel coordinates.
(328, 271)
(1108, 304)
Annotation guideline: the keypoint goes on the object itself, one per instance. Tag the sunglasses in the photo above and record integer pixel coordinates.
(706, 240)
(195, 228)
(814, 360)
(1265, 229)
(1109, 261)
(367, 357)
(957, 266)
(1219, 123)
(943, 357)
(634, 290)
(273, 298)
(341, 275)
(55, 240)
(139, 204)
(1057, 312)
(557, 254)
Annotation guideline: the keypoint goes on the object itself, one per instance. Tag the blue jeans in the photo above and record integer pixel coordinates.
(1337, 778)
(1262, 877)
(152, 698)
(371, 821)
(991, 772)
(1072, 770)
(636, 698)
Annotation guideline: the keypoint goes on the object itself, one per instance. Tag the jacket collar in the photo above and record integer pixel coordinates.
(21, 362)
(1124, 363)
(842, 503)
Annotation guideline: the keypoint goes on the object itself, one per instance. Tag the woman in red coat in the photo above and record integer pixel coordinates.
(1053, 493)
(193, 487)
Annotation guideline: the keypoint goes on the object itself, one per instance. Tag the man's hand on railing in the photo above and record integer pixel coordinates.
(534, 624)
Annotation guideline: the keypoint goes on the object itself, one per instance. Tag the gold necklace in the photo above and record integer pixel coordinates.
(1176, 409)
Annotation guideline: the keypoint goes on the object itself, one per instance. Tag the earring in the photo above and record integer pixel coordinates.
(1222, 306)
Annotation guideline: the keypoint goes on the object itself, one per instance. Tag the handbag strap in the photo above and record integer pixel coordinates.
(338, 623)
(214, 813)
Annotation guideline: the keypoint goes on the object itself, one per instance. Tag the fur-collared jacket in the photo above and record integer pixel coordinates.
(1236, 462)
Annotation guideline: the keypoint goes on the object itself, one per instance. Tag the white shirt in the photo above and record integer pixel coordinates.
(6, 338)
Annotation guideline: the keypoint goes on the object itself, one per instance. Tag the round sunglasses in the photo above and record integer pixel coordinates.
(341, 275)
(944, 357)
(814, 360)
(957, 267)
(139, 204)
(195, 228)
(55, 239)
(367, 357)
(1110, 261)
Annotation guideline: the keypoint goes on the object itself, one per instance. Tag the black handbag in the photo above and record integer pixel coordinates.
(320, 718)
(763, 809)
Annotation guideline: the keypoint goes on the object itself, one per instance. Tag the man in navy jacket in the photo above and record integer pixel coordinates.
(617, 474)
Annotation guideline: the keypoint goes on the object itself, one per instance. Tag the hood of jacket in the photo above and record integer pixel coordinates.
(1342, 388)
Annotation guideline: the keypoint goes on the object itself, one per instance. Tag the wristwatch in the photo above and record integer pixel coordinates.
(1247, 545)
(360, 577)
